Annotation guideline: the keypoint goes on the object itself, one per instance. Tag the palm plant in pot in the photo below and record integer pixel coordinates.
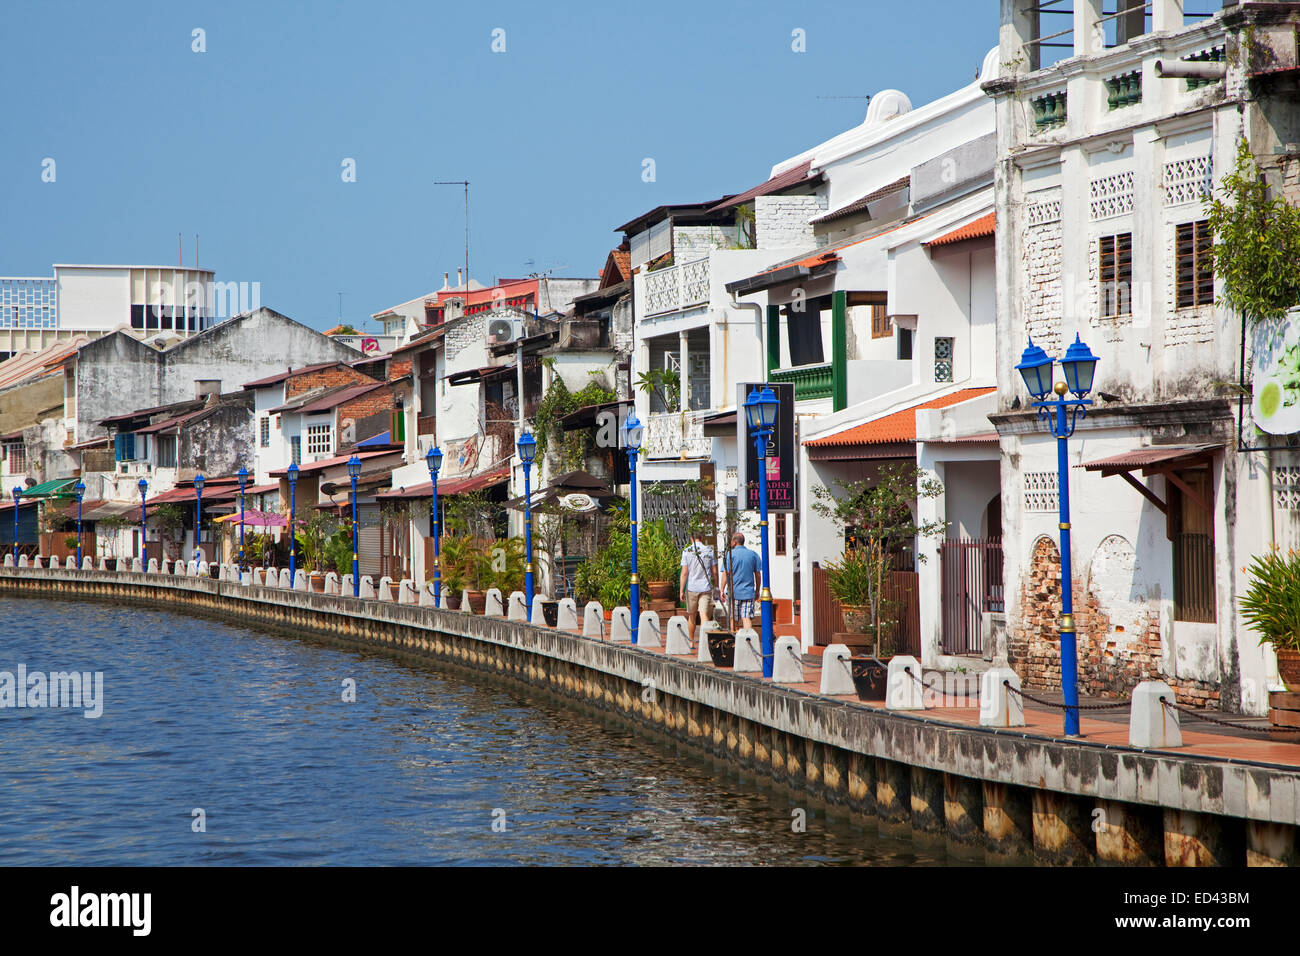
(1271, 606)
(878, 517)
(454, 559)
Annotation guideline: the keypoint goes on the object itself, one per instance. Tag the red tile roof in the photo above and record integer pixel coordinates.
(791, 177)
(980, 228)
(858, 205)
(331, 462)
(289, 373)
(330, 399)
(1147, 457)
(451, 486)
(897, 426)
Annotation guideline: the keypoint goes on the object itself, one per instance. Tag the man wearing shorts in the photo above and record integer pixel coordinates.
(698, 573)
(745, 578)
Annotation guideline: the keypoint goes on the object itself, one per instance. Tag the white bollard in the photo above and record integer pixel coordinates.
(286, 582)
(903, 687)
(426, 595)
(202, 569)
(1001, 706)
(702, 654)
(299, 579)
(647, 630)
(346, 585)
(593, 620)
(837, 679)
(103, 564)
(23, 562)
(406, 592)
(246, 578)
(539, 610)
(517, 609)
(258, 577)
(87, 564)
(192, 568)
(1150, 722)
(620, 625)
(749, 652)
(465, 606)
(567, 617)
(331, 582)
(9, 560)
(39, 562)
(272, 578)
(367, 587)
(135, 565)
(384, 593)
(54, 562)
(444, 602)
(180, 568)
(492, 604)
(679, 633)
(787, 663)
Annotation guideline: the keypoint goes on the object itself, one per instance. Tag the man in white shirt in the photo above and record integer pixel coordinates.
(699, 572)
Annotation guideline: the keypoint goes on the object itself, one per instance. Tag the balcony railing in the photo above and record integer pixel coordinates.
(676, 435)
(1049, 110)
(424, 425)
(810, 381)
(677, 287)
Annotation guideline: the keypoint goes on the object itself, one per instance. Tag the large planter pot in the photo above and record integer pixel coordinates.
(1288, 668)
(722, 648)
(477, 601)
(660, 590)
(453, 599)
(609, 613)
(316, 582)
(870, 679)
(550, 613)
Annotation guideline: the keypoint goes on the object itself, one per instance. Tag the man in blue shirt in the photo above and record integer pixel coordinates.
(745, 577)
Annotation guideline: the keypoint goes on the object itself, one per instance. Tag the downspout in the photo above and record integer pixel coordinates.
(762, 329)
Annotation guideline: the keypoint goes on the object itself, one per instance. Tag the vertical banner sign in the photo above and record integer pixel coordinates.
(781, 488)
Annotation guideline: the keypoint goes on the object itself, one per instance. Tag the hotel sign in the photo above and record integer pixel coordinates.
(782, 489)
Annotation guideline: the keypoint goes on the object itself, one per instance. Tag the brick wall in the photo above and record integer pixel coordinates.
(1044, 299)
(783, 222)
(1111, 661)
(325, 378)
(399, 368)
(350, 414)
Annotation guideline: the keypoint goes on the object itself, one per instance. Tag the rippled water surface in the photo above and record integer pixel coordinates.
(252, 728)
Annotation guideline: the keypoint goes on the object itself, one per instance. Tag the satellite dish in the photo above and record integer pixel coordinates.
(501, 330)
(577, 501)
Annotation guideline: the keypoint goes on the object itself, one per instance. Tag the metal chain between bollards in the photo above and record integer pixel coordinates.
(1052, 703)
(801, 661)
(1226, 723)
(757, 653)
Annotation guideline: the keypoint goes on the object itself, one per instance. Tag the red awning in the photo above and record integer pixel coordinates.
(979, 229)
(1156, 458)
(897, 426)
(450, 486)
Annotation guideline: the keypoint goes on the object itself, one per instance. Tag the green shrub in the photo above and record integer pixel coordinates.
(1271, 605)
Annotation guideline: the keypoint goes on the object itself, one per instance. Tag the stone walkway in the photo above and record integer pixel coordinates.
(1105, 728)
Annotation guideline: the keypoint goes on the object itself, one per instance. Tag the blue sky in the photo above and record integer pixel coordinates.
(243, 144)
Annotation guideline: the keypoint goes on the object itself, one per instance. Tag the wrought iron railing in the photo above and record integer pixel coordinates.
(810, 381)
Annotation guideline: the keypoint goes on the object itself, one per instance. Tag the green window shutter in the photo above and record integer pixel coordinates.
(839, 353)
(773, 338)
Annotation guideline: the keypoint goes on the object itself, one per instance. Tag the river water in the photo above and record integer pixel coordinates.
(223, 745)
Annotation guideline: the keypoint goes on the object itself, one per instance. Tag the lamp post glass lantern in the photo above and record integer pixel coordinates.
(632, 435)
(293, 535)
(354, 472)
(1079, 367)
(80, 490)
(761, 408)
(434, 460)
(527, 447)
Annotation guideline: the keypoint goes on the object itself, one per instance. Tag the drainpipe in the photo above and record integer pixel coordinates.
(762, 328)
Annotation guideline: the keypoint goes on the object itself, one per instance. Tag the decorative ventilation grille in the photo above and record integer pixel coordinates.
(1041, 213)
(1111, 195)
(1286, 487)
(943, 358)
(1188, 180)
(1041, 492)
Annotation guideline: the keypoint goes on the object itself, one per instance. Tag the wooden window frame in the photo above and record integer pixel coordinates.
(779, 524)
(1115, 273)
(1193, 264)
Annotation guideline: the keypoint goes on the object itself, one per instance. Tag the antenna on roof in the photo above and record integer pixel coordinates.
(465, 183)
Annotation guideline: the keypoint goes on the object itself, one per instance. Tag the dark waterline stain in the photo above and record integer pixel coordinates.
(252, 729)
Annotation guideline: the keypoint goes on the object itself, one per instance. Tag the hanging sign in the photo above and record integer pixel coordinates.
(780, 460)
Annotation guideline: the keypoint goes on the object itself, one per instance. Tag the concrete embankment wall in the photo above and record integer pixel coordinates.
(987, 793)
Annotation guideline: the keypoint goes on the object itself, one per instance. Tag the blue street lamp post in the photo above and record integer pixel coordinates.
(144, 487)
(1079, 366)
(434, 460)
(354, 472)
(293, 537)
(760, 412)
(198, 514)
(527, 452)
(18, 497)
(633, 430)
(243, 481)
(80, 489)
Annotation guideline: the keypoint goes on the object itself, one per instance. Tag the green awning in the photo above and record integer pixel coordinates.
(50, 489)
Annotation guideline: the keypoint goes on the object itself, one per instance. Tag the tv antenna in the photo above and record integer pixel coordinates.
(465, 183)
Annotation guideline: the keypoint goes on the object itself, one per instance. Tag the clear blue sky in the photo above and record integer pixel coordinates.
(243, 143)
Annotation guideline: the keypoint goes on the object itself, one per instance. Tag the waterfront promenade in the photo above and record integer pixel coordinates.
(1010, 793)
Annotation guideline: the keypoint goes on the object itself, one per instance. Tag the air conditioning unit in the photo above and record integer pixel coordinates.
(501, 331)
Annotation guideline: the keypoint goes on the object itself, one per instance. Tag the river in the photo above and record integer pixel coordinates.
(220, 744)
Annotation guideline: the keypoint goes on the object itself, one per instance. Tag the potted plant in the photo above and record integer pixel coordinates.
(454, 556)
(658, 561)
(311, 540)
(878, 514)
(1271, 606)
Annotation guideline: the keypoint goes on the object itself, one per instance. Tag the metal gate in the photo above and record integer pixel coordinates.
(971, 584)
